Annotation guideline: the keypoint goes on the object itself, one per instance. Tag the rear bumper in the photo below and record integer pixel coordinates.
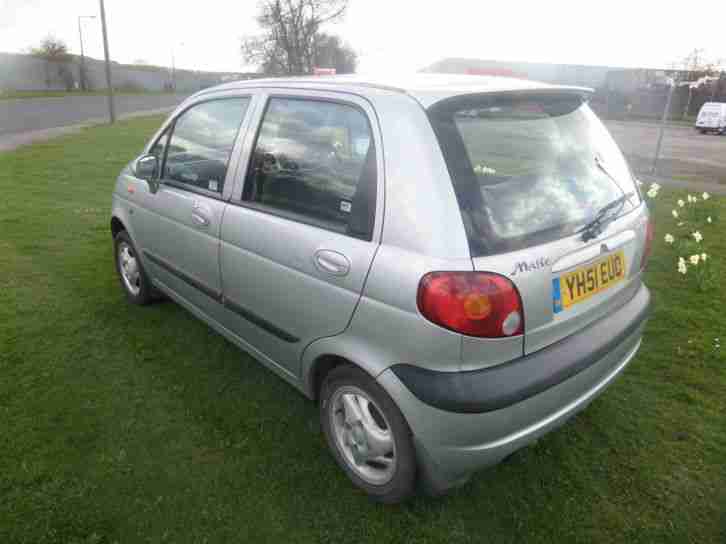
(497, 387)
(511, 413)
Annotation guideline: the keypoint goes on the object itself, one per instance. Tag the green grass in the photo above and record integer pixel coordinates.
(126, 424)
(6, 95)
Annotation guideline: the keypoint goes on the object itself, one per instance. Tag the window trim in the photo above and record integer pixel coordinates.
(374, 209)
(168, 130)
(292, 216)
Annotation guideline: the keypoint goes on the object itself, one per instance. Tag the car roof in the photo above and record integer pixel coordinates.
(427, 88)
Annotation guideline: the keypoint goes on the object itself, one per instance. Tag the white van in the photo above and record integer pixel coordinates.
(712, 117)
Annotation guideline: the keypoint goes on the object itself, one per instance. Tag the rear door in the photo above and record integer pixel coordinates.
(530, 172)
(301, 230)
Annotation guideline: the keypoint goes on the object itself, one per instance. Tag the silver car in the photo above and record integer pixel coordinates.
(450, 265)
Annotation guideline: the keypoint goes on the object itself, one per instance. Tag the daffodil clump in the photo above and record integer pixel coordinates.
(694, 217)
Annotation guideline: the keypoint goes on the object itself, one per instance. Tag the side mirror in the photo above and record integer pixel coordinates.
(146, 167)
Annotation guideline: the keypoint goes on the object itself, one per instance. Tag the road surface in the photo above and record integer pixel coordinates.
(31, 114)
(686, 154)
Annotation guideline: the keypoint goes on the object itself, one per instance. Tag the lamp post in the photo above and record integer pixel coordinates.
(173, 67)
(83, 61)
(109, 87)
(663, 121)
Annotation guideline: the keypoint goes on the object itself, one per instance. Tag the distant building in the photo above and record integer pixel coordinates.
(618, 91)
(597, 77)
(563, 74)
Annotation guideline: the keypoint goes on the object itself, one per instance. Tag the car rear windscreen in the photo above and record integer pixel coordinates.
(528, 169)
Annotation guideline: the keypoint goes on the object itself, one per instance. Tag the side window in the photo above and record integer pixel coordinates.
(315, 162)
(201, 142)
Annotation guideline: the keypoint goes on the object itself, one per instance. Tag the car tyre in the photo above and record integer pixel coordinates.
(361, 422)
(134, 281)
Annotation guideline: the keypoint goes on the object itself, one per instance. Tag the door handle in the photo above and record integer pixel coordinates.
(199, 219)
(200, 214)
(331, 262)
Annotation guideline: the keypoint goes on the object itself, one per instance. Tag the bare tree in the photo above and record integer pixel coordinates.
(698, 65)
(289, 31)
(54, 52)
(51, 48)
(331, 52)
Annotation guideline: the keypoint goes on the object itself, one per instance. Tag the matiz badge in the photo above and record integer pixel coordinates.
(531, 266)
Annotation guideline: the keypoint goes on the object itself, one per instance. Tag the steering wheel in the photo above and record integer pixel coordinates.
(269, 163)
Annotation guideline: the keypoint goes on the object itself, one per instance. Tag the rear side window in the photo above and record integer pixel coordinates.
(528, 169)
(314, 161)
(201, 142)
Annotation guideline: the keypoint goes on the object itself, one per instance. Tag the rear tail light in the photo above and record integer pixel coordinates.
(649, 235)
(473, 303)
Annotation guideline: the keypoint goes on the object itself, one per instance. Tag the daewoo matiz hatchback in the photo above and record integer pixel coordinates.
(451, 266)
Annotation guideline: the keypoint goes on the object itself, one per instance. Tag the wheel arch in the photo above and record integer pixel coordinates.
(324, 354)
(117, 226)
(319, 367)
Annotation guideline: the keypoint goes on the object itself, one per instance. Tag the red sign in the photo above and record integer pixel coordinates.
(506, 72)
(323, 71)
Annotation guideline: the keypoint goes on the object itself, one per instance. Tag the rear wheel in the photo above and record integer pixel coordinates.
(134, 281)
(367, 434)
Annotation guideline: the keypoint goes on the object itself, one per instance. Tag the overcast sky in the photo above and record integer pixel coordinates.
(389, 35)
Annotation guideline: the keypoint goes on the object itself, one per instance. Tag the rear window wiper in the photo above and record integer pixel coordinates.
(594, 227)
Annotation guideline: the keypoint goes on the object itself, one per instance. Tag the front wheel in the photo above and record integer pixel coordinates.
(367, 434)
(134, 281)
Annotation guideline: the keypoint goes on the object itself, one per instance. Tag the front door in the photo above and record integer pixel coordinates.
(178, 226)
(299, 237)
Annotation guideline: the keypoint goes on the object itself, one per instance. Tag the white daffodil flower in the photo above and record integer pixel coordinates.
(669, 239)
(681, 203)
(682, 268)
(704, 256)
(708, 219)
(706, 196)
(655, 186)
(697, 236)
(675, 214)
(652, 193)
(694, 259)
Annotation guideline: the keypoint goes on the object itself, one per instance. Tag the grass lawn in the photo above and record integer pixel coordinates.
(126, 424)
